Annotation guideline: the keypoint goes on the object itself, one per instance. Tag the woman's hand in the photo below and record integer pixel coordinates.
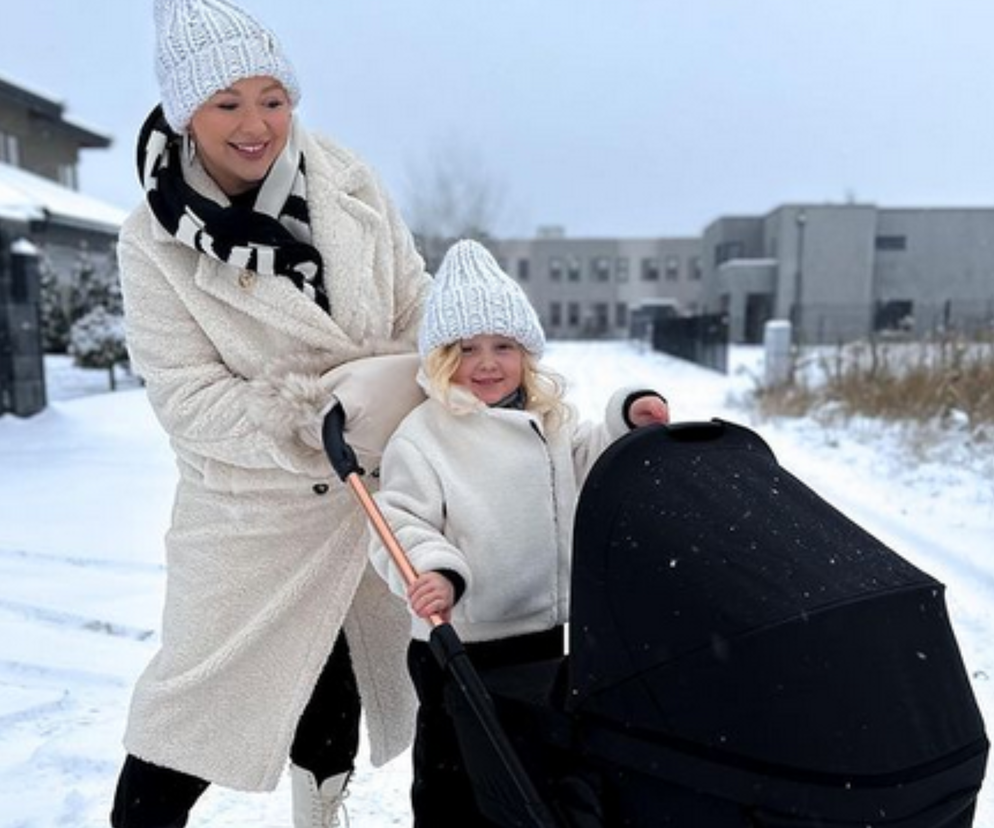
(432, 594)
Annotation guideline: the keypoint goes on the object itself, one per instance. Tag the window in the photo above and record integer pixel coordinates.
(556, 269)
(555, 315)
(10, 149)
(68, 177)
(672, 268)
(694, 266)
(728, 250)
(894, 315)
(621, 315)
(573, 314)
(621, 268)
(600, 269)
(600, 317)
(891, 242)
(650, 269)
(523, 270)
(573, 272)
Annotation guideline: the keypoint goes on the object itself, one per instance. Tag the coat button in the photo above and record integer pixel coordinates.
(246, 279)
(320, 488)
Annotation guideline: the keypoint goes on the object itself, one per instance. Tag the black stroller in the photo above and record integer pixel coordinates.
(740, 654)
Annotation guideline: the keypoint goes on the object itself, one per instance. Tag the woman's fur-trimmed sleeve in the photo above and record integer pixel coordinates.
(289, 400)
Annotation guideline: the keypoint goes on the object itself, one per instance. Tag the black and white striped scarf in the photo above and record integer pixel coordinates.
(271, 238)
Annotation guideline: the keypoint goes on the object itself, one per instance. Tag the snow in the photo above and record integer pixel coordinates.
(25, 196)
(85, 494)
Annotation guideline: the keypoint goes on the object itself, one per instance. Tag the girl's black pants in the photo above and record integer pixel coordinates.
(442, 790)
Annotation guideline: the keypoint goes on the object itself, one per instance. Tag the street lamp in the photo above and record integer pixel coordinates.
(801, 220)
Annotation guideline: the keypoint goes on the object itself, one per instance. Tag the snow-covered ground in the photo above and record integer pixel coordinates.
(85, 491)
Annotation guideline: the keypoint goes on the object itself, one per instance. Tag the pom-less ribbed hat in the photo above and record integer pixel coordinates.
(471, 296)
(204, 46)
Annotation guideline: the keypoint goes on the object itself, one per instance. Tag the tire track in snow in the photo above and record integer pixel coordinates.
(19, 672)
(50, 559)
(44, 680)
(50, 693)
(78, 622)
(26, 715)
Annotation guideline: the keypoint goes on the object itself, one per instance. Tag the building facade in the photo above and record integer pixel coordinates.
(39, 196)
(588, 288)
(837, 272)
(35, 135)
(843, 272)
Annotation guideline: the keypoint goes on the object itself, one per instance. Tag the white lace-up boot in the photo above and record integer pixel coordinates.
(317, 806)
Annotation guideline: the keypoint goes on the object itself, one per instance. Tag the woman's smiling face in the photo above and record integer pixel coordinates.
(241, 130)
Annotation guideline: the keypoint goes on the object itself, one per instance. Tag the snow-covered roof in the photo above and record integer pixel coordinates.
(54, 108)
(742, 262)
(47, 97)
(82, 126)
(25, 196)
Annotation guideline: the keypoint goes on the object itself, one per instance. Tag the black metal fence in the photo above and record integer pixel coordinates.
(829, 324)
(701, 339)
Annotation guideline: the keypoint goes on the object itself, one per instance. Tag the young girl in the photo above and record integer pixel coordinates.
(479, 484)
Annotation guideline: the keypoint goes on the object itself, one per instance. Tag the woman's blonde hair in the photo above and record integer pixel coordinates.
(544, 390)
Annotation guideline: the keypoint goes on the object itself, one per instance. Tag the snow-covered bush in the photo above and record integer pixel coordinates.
(70, 293)
(55, 322)
(96, 340)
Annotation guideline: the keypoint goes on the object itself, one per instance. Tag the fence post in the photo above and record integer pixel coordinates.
(22, 366)
(776, 353)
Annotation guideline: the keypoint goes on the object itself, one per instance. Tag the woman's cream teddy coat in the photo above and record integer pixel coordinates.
(266, 554)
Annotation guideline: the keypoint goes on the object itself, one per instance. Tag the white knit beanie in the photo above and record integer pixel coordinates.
(204, 46)
(472, 296)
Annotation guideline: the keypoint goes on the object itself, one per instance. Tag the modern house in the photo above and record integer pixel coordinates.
(36, 135)
(44, 221)
(40, 150)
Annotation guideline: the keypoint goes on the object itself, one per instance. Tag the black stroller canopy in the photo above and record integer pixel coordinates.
(720, 607)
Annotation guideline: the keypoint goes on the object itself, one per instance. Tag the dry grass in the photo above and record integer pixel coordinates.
(923, 383)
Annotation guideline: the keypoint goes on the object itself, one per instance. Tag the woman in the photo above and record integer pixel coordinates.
(266, 278)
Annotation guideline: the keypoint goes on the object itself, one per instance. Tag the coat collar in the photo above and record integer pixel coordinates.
(345, 226)
(461, 402)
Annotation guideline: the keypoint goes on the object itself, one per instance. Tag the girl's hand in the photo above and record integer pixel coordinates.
(432, 594)
(649, 410)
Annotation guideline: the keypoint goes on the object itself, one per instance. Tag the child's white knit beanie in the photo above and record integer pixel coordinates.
(204, 46)
(472, 296)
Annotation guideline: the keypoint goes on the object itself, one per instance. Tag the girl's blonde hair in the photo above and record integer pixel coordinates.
(544, 390)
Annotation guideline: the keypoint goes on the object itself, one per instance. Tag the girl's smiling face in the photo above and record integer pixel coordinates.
(241, 130)
(490, 366)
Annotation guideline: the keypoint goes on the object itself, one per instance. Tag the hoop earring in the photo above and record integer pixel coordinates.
(189, 147)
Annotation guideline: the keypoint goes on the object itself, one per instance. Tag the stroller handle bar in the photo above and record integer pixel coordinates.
(346, 465)
(343, 458)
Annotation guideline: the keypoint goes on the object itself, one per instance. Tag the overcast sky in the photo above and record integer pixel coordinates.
(609, 117)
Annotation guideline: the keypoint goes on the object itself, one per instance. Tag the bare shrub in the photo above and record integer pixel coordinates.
(940, 380)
